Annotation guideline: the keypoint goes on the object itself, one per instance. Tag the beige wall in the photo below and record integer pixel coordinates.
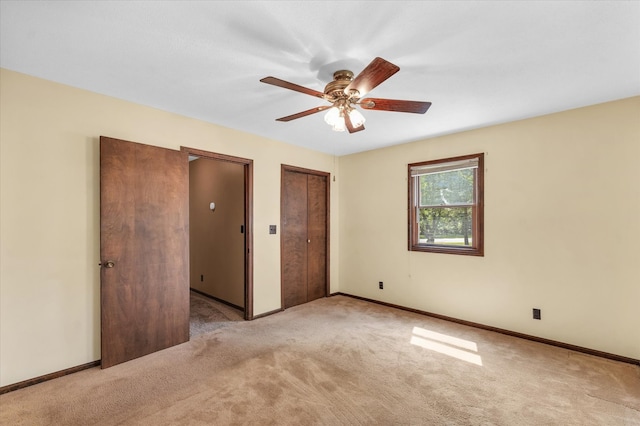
(562, 229)
(49, 213)
(562, 208)
(216, 245)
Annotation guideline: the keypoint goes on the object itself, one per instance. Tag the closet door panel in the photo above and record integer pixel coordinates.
(317, 237)
(294, 239)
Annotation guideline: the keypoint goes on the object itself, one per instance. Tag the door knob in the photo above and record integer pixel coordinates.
(308, 241)
(108, 264)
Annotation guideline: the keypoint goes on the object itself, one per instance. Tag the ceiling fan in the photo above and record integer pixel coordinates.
(345, 92)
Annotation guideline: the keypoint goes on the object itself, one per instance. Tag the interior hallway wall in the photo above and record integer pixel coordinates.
(216, 243)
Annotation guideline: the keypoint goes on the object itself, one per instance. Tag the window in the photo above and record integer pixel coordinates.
(446, 205)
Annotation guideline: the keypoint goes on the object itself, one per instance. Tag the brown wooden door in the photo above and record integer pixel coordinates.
(304, 236)
(144, 231)
(317, 237)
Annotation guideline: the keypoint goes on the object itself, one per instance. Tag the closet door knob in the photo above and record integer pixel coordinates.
(107, 264)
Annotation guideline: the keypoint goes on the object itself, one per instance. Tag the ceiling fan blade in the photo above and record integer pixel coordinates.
(349, 125)
(291, 86)
(375, 73)
(394, 105)
(304, 113)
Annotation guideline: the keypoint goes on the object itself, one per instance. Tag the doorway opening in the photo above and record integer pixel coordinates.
(220, 240)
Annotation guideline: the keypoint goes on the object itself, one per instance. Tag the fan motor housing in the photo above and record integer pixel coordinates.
(334, 90)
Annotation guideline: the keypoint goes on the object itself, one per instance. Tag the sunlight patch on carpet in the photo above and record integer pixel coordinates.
(464, 350)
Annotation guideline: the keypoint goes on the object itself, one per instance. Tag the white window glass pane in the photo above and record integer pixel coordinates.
(447, 188)
(451, 226)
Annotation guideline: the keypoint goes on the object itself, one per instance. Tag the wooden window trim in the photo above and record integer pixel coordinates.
(477, 211)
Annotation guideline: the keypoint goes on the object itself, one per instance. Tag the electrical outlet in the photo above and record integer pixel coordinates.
(272, 229)
(536, 314)
(380, 285)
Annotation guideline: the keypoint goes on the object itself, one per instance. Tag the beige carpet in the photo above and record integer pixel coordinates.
(207, 314)
(341, 361)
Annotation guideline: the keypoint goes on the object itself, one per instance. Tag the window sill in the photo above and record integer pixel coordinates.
(433, 248)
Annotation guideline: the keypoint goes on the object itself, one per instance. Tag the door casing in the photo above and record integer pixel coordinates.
(248, 218)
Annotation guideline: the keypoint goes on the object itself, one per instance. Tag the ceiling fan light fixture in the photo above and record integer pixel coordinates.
(357, 119)
(339, 126)
(332, 116)
(335, 119)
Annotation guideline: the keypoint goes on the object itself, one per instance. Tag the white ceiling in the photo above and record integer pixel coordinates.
(479, 63)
